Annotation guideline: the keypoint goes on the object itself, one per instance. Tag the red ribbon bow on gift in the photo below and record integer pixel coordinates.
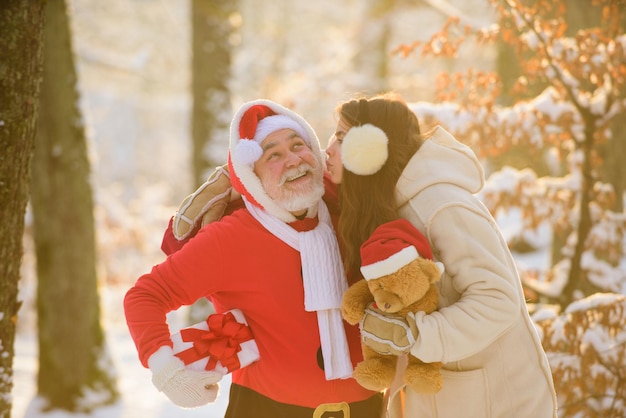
(221, 342)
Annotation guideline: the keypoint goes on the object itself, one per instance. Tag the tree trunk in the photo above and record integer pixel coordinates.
(73, 363)
(212, 34)
(582, 15)
(21, 29)
(613, 170)
(371, 62)
(577, 278)
(210, 116)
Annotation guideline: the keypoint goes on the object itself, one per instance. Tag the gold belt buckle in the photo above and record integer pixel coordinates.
(342, 407)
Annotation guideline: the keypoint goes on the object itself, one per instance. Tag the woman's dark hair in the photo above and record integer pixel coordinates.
(369, 201)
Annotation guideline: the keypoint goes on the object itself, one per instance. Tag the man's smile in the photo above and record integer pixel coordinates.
(296, 177)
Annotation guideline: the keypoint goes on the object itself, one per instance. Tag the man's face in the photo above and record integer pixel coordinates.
(289, 171)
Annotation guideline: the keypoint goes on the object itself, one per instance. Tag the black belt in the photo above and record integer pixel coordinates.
(246, 403)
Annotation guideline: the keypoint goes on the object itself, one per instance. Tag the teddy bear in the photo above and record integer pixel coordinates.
(399, 280)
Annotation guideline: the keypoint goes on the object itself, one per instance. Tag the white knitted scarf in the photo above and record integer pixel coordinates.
(324, 282)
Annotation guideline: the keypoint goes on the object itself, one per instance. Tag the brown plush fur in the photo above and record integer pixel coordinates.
(410, 289)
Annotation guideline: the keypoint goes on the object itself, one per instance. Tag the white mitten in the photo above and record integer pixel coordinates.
(186, 388)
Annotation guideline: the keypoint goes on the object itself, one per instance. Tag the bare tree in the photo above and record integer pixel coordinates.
(73, 363)
(21, 28)
(212, 33)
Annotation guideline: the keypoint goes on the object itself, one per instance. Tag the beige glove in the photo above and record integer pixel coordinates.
(186, 388)
(388, 334)
(207, 203)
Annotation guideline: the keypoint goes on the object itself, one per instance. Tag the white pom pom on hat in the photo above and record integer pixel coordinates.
(364, 149)
(247, 151)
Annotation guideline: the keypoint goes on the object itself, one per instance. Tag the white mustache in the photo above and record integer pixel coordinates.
(295, 173)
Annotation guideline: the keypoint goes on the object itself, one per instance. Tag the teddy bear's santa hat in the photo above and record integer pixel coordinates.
(252, 123)
(392, 246)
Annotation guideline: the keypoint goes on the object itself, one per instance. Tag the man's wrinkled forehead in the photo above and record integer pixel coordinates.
(272, 140)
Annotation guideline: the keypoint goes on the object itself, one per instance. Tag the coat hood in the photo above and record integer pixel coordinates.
(440, 159)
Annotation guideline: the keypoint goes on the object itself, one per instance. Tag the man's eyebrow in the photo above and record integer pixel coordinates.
(268, 145)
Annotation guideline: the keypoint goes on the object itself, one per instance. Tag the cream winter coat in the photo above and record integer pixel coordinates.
(494, 365)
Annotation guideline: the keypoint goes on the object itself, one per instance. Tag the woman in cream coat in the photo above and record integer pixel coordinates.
(494, 364)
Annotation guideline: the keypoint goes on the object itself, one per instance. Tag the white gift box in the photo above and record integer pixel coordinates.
(223, 343)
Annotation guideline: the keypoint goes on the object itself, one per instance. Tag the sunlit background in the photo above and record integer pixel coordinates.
(135, 81)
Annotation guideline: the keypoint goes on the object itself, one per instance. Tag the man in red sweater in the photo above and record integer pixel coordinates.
(277, 260)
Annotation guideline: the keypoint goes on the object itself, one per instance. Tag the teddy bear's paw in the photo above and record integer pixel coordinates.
(375, 374)
(426, 380)
(352, 315)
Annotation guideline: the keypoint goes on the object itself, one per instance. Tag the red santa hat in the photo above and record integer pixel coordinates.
(392, 246)
(252, 123)
(256, 124)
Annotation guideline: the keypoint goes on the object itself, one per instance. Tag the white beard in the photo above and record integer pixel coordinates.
(299, 202)
(301, 199)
